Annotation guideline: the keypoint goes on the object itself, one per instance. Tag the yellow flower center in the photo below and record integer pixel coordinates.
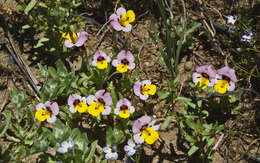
(127, 18)
(203, 82)
(42, 115)
(149, 89)
(96, 108)
(81, 107)
(122, 68)
(124, 113)
(70, 36)
(102, 64)
(149, 135)
(221, 87)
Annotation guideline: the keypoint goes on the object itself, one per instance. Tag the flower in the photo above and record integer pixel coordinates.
(131, 148)
(110, 153)
(247, 37)
(100, 60)
(145, 130)
(225, 80)
(100, 103)
(73, 39)
(47, 111)
(66, 146)
(204, 75)
(124, 108)
(124, 61)
(77, 103)
(121, 19)
(144, 89)
(231, 19)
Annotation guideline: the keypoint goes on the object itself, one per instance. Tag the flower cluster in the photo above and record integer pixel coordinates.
(223, 80)
(247, 37)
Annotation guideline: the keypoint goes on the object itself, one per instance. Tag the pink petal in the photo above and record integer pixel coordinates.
(131, 66)
(121, 55)
(82, 38)
(100, 93)
(137, 88)
(120, 11)
(115, 62)
(132, 109)
(40, 106)
(207, 69)
(196, 77)
(116, 25)
(127, 28)
(90, 99)
(130, 57)
(108, 99)
(113, 17)
(72, 109)
(144, 82)
(117, 111)
(52, 119)
(232, 86)
(107, 110)
(229, 72)
(138, 139)
(120, 103)
(68, 44)
(54, 108)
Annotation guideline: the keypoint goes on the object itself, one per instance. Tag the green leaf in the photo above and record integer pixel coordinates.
(163, 95)
(40, 42)
(210, 141)
(192, 150)
(30, 6)
(193, 28)
(52, 72)
(26, 26)
(92, 151)
(166, 122)
(4, 126)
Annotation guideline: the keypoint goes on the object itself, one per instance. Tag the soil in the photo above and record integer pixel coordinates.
(240, 128)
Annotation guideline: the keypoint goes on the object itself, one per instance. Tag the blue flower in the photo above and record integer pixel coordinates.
(131, 148)
(66, 146)
(231, 19)
(247, 37)
(110, 153)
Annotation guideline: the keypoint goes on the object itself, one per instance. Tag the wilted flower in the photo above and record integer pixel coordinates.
(204, 75)
(73, 39)
(131, 148)
(122, 19)
(100, 103)
(144, 88)
(47, 111)
(66, 146)
(124, 61)
(225, 80)
(231, 19)
(248, 36)
(100, 60)
(145, 130)
(124, 108)
(110, 153)
(77, 103)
